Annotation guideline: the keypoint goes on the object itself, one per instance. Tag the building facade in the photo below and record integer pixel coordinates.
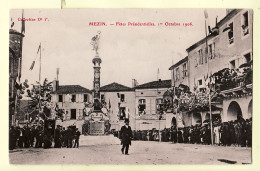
(223, 60)
(120, 101)
(149, 103)
(15, 68)
(71, 98)
(179, 72)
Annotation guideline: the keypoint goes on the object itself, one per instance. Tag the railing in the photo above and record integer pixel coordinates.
(230, 79)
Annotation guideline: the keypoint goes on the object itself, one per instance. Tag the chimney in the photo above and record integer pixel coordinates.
(55, 85)
(134, 83)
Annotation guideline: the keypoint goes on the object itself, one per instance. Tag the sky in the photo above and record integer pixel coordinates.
(127, 52)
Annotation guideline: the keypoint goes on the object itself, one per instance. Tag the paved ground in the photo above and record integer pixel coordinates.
(107, 151)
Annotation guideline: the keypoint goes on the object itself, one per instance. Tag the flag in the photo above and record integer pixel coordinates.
(31, 68)
(109, 104)
(18, 86)
(39, 48)
(33, 63)
(58, 71)
(23, 25)
(12, 23)
(207, 20)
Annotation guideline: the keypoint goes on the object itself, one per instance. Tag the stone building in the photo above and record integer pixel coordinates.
(179, 72)
(227, 48)
(149, 104)
(120, 101)
(15, 68)
(71, 98)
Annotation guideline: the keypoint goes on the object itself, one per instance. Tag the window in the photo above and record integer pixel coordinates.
(141, 106)
(200, 56)
(230, 34)
(102, 97)
(122, 98)
(177, 76)
(213, 50)
(60, 98)
(85, 99)
(200, 82)
(159, 105)
(122, 113)
(247, 57)
(232, 64)
(210, 51)
(185, 74)
(244, 26)
(202, 90)
(73, 114)
(73, 98)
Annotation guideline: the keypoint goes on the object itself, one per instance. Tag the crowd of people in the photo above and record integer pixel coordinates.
(231, 78)
(235, 133)
(40, 137)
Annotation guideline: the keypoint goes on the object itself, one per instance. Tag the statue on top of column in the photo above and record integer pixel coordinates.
(95, 42)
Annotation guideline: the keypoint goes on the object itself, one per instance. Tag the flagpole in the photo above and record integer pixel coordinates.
(210, 113)
(40, 63)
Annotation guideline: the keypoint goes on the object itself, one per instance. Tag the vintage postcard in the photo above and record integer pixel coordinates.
(130, 86)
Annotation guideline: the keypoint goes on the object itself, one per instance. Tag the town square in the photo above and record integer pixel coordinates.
(130, 86)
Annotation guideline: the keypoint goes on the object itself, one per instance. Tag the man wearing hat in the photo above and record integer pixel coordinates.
(126, 136)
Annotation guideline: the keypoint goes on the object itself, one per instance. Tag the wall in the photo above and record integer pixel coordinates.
(150, 96)
(68, 105)
(243, 102)
(182, 79)
(224, 52)
(129, 104)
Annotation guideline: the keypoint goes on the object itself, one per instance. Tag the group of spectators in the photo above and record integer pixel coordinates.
(231, 78)
(40, 137)
(235, 133)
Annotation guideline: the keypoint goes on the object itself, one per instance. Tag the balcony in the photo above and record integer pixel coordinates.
(233, 78)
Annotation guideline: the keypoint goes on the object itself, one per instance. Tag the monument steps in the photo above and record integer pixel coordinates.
(90, 140)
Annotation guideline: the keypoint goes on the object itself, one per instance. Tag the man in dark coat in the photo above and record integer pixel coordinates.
(70, 137)
(26, 134)
(12, 137)
(174, 135)
(77, 135)
(57, 137)
(126, 135)
(32, 130)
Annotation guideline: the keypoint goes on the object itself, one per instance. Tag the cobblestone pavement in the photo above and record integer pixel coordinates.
(141, 152)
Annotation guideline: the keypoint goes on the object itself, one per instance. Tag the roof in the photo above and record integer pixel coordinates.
(155, 84)
(115, 87)
(219, 24)
(12, 31)
(70, 89)
(179, 62)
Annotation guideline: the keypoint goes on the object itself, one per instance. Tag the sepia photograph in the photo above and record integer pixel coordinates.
(130, 86)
